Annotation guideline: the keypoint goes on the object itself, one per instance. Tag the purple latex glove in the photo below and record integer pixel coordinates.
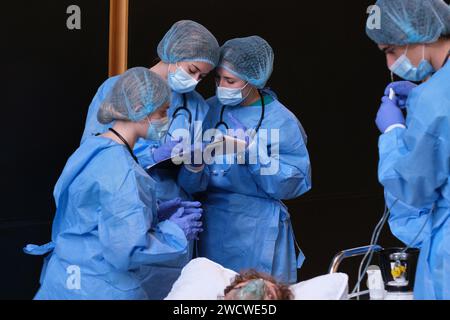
(192, 207)
(189, 223)
(402, 90)
(388, 114)
(165, 150)
(240, 129)
(167, 208)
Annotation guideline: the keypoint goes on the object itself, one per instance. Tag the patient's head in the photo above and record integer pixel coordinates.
(253, 285)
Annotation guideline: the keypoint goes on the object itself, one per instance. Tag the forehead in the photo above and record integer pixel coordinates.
(204, 67)
(226, 74)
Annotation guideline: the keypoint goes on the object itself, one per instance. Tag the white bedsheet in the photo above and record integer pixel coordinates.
(202, 279)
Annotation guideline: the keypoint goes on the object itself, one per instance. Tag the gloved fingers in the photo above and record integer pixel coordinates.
(190, 211)
(191, 204)
(197, 224)
(190, 220)
(399, 101)
(192, 237)
(387, 90)
(179, 213)
(176, 201)
(170, 204)
(193, 217)
(388, 102)
(401, 88)
(191, 232)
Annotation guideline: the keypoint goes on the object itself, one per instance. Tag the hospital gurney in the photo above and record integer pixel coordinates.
(202, 279)
(394, 282)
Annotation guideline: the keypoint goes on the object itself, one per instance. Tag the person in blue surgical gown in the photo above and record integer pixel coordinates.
(414, 165)
(187, 52)
(108, 234)
(246, 224)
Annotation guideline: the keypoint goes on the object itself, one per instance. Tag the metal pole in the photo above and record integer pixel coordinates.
(118, 37)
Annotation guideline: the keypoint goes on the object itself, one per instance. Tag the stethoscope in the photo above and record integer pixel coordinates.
(261, 118)
(178, 112)
(221, 122)
(118, 135)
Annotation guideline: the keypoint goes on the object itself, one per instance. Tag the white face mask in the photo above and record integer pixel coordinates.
(180, 81)
(231, 96)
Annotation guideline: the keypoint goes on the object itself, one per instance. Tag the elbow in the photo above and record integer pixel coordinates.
(290, 188)
(297, 185)
(300, 187)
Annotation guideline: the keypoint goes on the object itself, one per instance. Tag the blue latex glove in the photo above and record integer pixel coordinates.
(241, 129)
(389, 114)
(189, 223)
(167, 208)
(402, 90)
(165, 150)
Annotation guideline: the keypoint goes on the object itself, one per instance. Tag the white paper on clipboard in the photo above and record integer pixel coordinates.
(225, 145)
(222, 145)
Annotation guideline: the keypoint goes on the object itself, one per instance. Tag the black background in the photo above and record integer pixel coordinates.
(326, 71)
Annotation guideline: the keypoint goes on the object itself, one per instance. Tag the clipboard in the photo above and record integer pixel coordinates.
(221, 145)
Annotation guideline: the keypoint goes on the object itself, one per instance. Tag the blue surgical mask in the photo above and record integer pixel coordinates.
(180, 81)
(231, 96)
(157, 129)
(406, 70)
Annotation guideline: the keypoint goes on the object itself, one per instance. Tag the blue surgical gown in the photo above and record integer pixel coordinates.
(414, 169)
(107, 227)
(167, 187)
(245, 223)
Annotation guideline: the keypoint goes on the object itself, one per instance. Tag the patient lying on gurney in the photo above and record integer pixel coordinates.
(203, 279)
(253, 285)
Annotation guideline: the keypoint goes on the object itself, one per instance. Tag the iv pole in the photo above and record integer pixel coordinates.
(118, 37)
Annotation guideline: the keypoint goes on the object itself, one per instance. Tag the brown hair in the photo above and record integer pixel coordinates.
(284, 293)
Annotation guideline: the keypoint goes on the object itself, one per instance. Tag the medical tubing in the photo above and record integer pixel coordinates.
(373, 240)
